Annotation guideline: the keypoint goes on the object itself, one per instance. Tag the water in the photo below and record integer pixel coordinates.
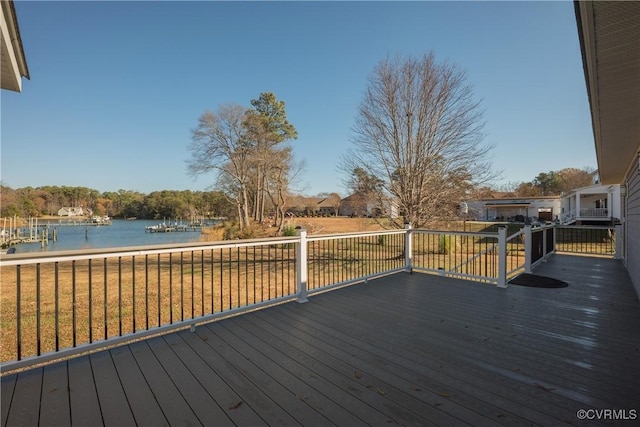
(119, 233)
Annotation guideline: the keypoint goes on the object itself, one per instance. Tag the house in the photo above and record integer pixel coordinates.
(328, 206)
(596, 204)
(74, 211)
(359, 205)
(609, 40)
(542, 208)
(14, 63)
(355, 205)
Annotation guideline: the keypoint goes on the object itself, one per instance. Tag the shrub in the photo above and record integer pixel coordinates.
(289, 230)
(444, 244)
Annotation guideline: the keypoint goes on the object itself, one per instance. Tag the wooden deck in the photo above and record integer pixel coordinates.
(403, 350)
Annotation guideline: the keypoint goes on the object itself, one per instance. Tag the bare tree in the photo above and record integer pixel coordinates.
(419, 132)
(219, 145)
(281, 171)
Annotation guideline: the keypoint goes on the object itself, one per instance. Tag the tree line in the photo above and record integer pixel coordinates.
(552, 183)
(47, 200)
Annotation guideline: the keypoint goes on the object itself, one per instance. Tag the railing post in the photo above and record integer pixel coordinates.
(528, 247)
(544, 242)
(619, 241)
(408, 249)
(554, 230)
(502, 256)
(301, 266)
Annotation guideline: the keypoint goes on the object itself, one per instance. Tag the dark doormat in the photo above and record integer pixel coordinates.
(535, 281)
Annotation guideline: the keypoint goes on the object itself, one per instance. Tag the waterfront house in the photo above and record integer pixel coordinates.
(74, 211)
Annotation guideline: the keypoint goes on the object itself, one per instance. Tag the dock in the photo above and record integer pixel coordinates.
(167, 228)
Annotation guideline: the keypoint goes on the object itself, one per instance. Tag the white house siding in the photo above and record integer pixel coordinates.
(577, 203)
(632, 226)
(492, 209)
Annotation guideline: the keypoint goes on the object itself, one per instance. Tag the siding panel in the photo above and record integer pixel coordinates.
(633, 227)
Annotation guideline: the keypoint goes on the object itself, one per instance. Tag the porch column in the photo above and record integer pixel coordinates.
(301, 266)
(609, 205)
(502, 256)
(527, 248)
(577, 205)
(408, 249)
(619, 236)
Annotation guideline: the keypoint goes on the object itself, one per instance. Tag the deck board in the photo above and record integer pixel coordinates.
(400, 392)
(443, 374)
(113, 400)
(174, 406)
(143, 402)
(83, 397)
(369, 367)
(408, 349)
(220, 392)
(8, 385)
(54, 409)
(208, 412)
(26, 397)
(487, 340)
(257, 392)
(319, 388)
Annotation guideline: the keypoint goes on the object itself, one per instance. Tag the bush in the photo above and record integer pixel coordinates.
(444, 244)
(289, 230)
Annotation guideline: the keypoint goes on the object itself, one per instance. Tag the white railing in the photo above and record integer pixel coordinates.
(594, 213)
(61, 303)
(465, 255)
(568, 217)
(591, 240)
(58, 304)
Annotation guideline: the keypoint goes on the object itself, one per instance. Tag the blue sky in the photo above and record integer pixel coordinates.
(117, 87)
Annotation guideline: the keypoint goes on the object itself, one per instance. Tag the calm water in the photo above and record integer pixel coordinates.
(119, 233)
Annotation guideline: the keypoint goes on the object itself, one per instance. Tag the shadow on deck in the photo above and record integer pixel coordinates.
(406, 349)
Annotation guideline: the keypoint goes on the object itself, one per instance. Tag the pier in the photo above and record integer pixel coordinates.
(194, 225)
(15, 231)
(168, 228)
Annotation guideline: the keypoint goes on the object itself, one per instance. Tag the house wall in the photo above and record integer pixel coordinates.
(589, 196)
(632, 226)
(490, 212)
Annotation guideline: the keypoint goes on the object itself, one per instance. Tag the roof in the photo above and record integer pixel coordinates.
(609, 35)
(507, 204)
(14, 63)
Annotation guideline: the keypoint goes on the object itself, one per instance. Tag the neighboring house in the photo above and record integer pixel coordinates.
(596, 204)
(612, 74)
(358, 205)
(303, 206)
(74, 211)
(14, 63)
(542, 208)
(354, 205)
(328, 206)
